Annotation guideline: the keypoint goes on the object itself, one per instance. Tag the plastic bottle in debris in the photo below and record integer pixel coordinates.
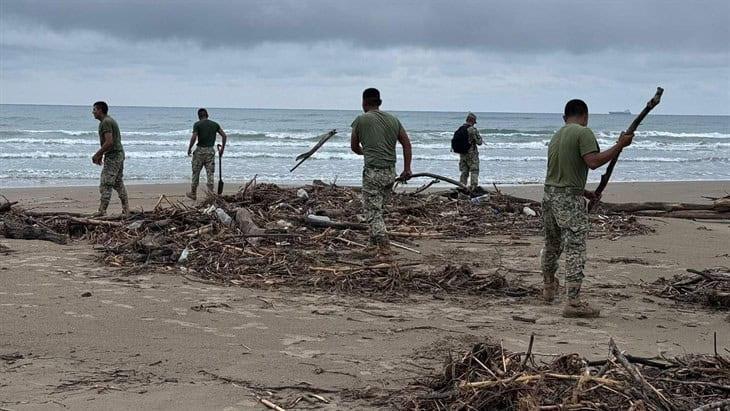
(481, 199)
(223, 217)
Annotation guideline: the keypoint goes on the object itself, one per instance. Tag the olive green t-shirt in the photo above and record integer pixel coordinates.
(206, 131)
(378, 132)
(108, 125)
(566, 167)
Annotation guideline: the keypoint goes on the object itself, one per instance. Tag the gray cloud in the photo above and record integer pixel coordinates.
(517, 25)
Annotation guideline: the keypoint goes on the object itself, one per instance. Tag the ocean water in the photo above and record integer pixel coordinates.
(53, 145)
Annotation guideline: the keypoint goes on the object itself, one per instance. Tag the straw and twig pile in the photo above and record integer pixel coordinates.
(313, 237)
(709, 287)
(488, 377)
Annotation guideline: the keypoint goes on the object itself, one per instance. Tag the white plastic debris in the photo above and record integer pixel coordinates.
(318, 218)
(183, 256)
(529, 212)
(481, 199)
(135, 225)
(223, 216)
(283, 224)
(302, 193)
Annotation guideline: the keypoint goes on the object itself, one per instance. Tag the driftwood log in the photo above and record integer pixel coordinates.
(19, 230)
(304, 156)
(634, 125)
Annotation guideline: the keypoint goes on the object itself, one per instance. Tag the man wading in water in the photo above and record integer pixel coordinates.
(572, 150)
(374, 135)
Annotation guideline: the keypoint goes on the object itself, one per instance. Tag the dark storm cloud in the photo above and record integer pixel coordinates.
(522, 26)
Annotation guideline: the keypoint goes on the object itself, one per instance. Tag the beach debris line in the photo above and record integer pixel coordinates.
(710, 287)
(265, 235)
(489, 377)
(634, 125)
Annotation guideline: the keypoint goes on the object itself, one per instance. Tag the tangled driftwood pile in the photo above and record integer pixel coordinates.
(487, 377)
(709, 287)
(313, 237)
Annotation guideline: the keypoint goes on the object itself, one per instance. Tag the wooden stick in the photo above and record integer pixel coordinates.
(535, 377)
(437, 177)
(304, 156)
(529, 350)
(634, 125)
(403, 247)
(717, 405)
(638, 378)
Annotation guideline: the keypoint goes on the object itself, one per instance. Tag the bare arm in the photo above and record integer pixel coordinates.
(108, 143)
(407, 153)
(193, 138)
(597, 159)
(355, 144)
(224, 138)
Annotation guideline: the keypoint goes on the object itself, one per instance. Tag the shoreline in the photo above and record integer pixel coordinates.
(145, 196)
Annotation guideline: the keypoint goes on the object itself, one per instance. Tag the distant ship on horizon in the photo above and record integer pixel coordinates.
(620, 112)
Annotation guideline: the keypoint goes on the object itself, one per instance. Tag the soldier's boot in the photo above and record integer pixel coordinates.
(209, 190)
(550, 287)
(575, 307)
(191, 195)
(103, 205)
(125, 205)
(385, 253)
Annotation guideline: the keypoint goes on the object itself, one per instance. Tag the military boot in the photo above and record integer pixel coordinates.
(191, 195)
(102, 209)
(550, 288)
(125, 207)
(577, 308)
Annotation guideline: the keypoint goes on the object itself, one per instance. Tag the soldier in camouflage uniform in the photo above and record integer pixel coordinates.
(374, 135)
(469, 162)
(204, 132)
(571, 152)
(111, 154)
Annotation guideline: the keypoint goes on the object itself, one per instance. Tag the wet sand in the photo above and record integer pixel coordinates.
(161, 341)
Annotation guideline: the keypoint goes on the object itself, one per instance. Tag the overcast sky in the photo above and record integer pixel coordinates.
(510, 56)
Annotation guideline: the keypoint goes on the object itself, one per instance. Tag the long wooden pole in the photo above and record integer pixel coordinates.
(634, 125)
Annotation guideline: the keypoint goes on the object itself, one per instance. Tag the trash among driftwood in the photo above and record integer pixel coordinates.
(280, 238)
(488, 377)
(709, 287)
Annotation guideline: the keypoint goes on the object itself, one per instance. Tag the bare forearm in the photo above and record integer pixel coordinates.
(105, 147)
(192, 142)
(407, 156)
(596, 160)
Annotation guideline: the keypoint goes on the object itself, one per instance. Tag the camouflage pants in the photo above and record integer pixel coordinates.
(377, 185)
(112, 175)
(203, 157)
(566, 225)
(469, 168)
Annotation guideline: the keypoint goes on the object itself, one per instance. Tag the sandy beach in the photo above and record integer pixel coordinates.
(89, 337)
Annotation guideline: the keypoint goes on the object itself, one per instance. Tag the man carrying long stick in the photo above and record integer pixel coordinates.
(374, 135)
(572, 150)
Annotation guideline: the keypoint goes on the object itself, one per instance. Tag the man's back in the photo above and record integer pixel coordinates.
(206, 130)
(378, 132)
(566, 167)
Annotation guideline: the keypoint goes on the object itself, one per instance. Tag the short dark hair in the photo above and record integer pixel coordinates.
(575, 108)
(202, 112)
(371, 97)
(103, 106)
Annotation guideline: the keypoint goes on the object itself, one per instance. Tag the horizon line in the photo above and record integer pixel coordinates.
(340, 109)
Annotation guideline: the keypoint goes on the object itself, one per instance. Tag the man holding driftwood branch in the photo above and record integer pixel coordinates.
(374, 135)
(572, 150)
